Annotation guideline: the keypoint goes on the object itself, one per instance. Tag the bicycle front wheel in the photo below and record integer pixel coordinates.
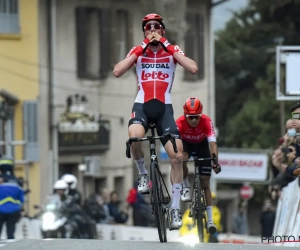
(157, 199)
(199, 212)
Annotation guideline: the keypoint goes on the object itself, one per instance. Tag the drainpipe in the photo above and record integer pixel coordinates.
(53, 147)
(212, 111)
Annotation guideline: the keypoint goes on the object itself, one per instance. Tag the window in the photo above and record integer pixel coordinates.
(194, 45)
(93, 28)
(122, 29)
(9, 16)
(7, 134)
(2, 136)
(7, 129)
(30, 126)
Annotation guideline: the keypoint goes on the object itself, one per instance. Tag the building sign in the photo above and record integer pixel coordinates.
(79, 126)
(81, 131)
(243, 167)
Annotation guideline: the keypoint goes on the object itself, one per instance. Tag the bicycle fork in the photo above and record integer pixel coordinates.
(159, 178)
(195, 206)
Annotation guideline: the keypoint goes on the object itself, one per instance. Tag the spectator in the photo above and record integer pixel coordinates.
(105, 200)
(11, 201)
(284, 159)
(240, 221)
(296, 126)
(141, 209)
(94, 209)
(267, 219)
(119, 216)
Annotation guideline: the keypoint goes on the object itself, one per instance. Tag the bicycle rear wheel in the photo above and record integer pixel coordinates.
(157, 200)
(199, 211)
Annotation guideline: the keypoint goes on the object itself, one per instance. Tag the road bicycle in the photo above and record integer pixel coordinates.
(160, 197)
(198, 201)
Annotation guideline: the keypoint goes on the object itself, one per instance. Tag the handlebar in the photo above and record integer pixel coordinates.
(137, 139)
(214, 159)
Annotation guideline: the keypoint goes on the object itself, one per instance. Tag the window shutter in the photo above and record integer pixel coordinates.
(200, 45)
(130, 31)
(30, 125)
(114, 38)
(189, 48)
(81, 36)
(9, 16)
(1, 130)
(1, 138)
(105, 41)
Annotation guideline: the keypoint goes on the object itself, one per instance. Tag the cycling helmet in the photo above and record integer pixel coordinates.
(192, 106)
(155, 17)
(70, 180)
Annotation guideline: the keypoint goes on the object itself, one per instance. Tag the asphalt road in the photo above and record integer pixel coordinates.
(123, 245)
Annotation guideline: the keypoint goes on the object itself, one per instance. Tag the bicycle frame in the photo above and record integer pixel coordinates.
(159, 202)
(197, 209)
(153, 155)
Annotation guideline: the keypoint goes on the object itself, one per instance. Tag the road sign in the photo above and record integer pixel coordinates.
(246, 192)
(287, 59)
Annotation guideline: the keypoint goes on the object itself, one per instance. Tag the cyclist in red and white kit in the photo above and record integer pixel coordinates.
(155, 61)
(198, 136)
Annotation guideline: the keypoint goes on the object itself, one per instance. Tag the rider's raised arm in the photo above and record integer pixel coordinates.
(187, 63)
(121, 67)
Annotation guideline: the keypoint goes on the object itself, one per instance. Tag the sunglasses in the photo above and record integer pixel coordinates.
(192, 117)
(296, 115)
(149, 26)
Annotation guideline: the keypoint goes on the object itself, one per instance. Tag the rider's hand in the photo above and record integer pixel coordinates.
(139, 50)
(216, 168)
(166, 45)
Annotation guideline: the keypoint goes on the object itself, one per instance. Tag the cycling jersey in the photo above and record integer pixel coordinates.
(195, 140)
(155, 75)
(205, 129)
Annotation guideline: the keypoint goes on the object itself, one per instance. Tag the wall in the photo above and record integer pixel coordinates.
(19, 76)
(110, 96)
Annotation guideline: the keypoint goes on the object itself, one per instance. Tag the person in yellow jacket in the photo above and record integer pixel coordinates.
(187, 223)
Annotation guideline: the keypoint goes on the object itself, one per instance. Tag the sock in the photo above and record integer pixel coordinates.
(209, 213)
(176, 190)
(140, 164)
(186, 183)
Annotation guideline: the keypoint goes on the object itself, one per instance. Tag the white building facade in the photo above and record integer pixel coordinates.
(80, 42)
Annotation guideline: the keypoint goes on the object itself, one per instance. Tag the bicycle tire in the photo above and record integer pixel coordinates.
(157, 203)
(199, 212)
